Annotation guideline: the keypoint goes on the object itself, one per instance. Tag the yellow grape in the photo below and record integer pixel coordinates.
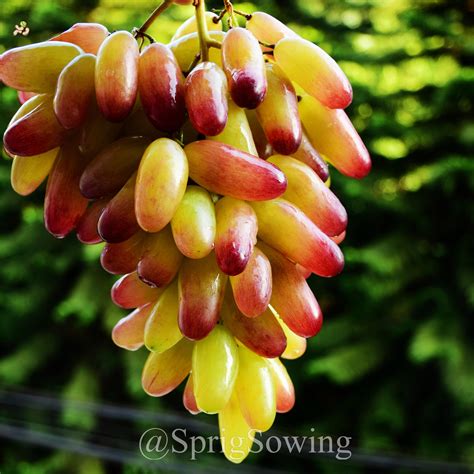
(88, 36)
(162, 330)
(255, 390)
(268, 29)
(28, 173)
(161, 183)
(190, 26)
(194, 223)
(285, 392)
(215, 366)
(237, 131)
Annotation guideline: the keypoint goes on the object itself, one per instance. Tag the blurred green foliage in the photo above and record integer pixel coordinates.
(394, 364)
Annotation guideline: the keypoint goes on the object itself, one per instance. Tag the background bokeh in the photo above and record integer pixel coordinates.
(394, 365)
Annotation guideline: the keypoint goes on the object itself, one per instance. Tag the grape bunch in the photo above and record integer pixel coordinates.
(201, 166)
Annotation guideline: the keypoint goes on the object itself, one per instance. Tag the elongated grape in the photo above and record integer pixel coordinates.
(278, 113)
(206, 98)
(307, 154)
(118, 222)
(86, 229)
(28, 173)
(88, 36)
(285, 391)
(252, 288)
(130, 292)
(244, 67)
(225, 170)
(36, 132)
(97, 133)
(292, 298)
(116, 75)
(236, 234)
(264, 149)
(161, 259)
(28, 106)
(268, 29)
(186, 48)
(262, 335)
(36, 67)
(162, 330)
(128, 332)
(237, 131)
(123, 257)
(333, 135)
(256, 391)
(190, 25)
(307, 191)
(161, 183)
(64, 203)
(189, 400)
(215, 365)
(201, 289)
(194, 223)
(75, 91)
(161, 87)
(163, 372)
(315, 71)
(117, 161)
(234, 431)
(302, 242)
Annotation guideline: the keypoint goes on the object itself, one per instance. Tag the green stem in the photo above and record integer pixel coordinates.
(202, 28)
(158, 11)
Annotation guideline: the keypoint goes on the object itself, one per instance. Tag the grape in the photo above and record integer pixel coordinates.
(118, 161)
(162, 330)
(75, 91)
(268, 29)
(237, 131)
(225, 170)
(164, 371)
(215, 365)
(255, 390)
(295, 345)
(234, 431)
(64, 204)
(333, 135)
(285, 392)
(263, 335)
(160, 260)
(201, 289)
(161, 86)
(236, 234)
(116, 75)
(161, 183)
(46, 59)
(307, 191)
(278, 113)
(252, 288)
(309, 156)
(86, 229)
(88, 36)
(36, 132)
(189, 400)
(244, 67)
(190, 25)
(303, 242)
(123, 257)
(28, 173)
(292, 298)
(315, 71)
(186, 48)
(206, 98)
(194, 223)
(128, 332)
(130, 292)
(118, 222)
